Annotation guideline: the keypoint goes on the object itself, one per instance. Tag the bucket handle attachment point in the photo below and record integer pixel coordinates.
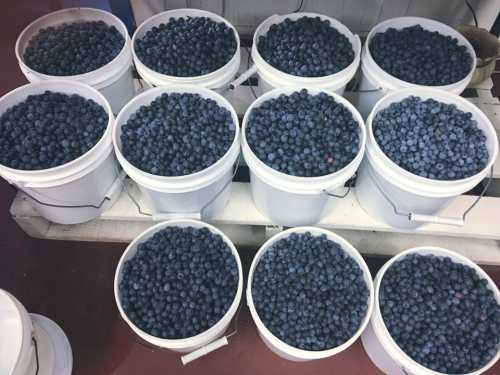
(423, 218)
(351, 185)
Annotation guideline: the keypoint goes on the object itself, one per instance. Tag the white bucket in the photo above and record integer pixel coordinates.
(202, 339)
(378, 343)
(81, 189)
(114, 80)
(278, 346)
(375, 82)
(29, 342)
(198, 195)
(290, 200)
(270, 77)
(402, 199)
(217, 79)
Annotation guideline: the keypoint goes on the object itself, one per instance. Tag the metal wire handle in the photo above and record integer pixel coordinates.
(351, 185)
(36, 355)
(411, 215)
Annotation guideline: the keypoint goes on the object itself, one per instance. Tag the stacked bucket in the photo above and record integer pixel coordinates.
(81, 189)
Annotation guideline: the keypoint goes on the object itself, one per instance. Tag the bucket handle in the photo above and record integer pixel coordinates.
(243, 77)
(435, 219)
(351, 185)
(162, 216)
(106, 198)
(35, 344)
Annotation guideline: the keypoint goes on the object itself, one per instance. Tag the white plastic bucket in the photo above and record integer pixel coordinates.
(114, 80)
(278, 346)
(402, 199)
(198, 195)
(88, 182)
(217, 79)
(290, 200)
(375, 82)
(202, 339)
(270, 77)
(378, 343)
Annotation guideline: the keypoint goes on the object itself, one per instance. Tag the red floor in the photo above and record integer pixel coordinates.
(72, 283)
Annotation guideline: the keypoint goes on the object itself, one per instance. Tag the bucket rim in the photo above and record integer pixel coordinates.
(68, 83)
(299, 80)
(179, 79)
(429, 93)
(77, 77)
(276, 342)
(367, 58)
(326, 179)
(155, 93)
(381, 331)
(179, 344)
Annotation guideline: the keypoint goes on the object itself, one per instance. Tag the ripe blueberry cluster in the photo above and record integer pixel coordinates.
(431, 139)
(177, 134)
(309, 292)
(419, 56)
(73, 48)
(440, 313)
(180, 282)
(49, 129)
(303, 135)
(307, 47)
(187, 47)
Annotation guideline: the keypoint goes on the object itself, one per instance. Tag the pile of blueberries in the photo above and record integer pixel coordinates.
(419, 56)
(307, 47)
(73, 48)
(177, 134)
(303, 135)
(187, 47)
(309, 292)
(440, 313)
(49, 129)
(431, 139)
(180, 282)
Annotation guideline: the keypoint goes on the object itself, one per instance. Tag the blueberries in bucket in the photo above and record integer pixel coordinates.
(303, 134)
(177, 134)
(420, 56)
(309, 292)
(187, 47)
(50, 129)
(440, 313)
(431, 139)
(180, 282)
(307, 47)
(73, 48)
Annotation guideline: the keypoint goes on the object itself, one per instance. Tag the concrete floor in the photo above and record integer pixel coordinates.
(72, 283)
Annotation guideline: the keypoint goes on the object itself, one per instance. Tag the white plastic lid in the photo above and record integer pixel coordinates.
(11, 333)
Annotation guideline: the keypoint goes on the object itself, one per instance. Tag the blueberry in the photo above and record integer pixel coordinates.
(431, 139)
(307, 47)
(180, 282)
(187, 47)
(50, 129)
(420, 56)
(177, 134)
(73, 48)
(440, 313)
(309, 292)
(303, 135)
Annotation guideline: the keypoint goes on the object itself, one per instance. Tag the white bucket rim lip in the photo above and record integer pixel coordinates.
(175, 89)
(305, 80)
(313, 91)
(343, 243)
(51, 82)
(443, 253)
(82, 76)
(411, 22)
(14, 303)
(425, 91)
(187, 341)
(185, 80)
